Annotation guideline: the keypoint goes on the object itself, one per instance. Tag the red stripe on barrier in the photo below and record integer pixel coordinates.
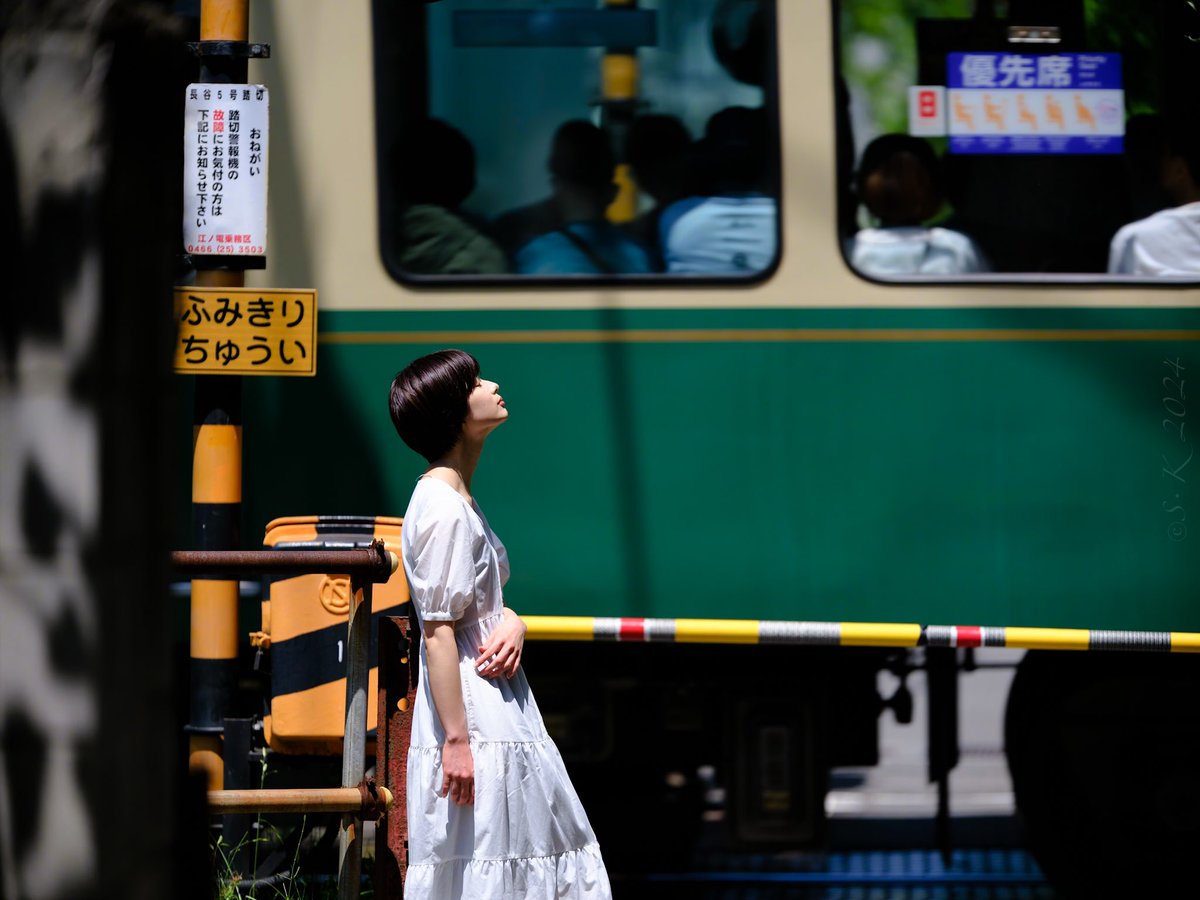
(632, 630)
(969, 635)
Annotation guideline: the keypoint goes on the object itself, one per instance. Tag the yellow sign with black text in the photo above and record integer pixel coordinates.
(246, 331)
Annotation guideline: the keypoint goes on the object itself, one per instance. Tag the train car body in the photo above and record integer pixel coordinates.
(807, 445)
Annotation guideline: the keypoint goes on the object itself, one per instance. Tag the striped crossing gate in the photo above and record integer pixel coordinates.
(851, 634)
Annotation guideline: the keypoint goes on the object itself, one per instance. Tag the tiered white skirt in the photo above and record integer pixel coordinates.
(526, 835)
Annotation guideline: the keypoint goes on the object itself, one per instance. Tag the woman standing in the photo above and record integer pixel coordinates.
(491, 811)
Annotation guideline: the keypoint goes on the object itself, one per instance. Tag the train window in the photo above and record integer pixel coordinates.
(1019, 140)
(567, 141)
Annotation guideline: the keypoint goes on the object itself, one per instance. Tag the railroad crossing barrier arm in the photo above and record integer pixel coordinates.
(852, 634)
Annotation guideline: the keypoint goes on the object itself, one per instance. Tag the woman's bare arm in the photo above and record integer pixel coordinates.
(458, 767)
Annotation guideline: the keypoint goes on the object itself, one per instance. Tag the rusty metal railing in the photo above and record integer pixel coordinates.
(368, 798)
(357, 798)
(367, 565)
(399, 640)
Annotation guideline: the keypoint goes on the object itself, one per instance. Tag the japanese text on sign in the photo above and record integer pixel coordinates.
(1024, 103)
(242, 331)
(225, 160)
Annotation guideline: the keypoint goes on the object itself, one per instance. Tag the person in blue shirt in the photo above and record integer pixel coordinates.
(582, 241)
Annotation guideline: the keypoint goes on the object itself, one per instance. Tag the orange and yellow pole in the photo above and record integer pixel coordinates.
(224, 20)
(216, 474)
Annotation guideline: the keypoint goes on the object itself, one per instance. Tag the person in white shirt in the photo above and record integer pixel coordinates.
(727, 225)
(1167, 242)
(898, 183)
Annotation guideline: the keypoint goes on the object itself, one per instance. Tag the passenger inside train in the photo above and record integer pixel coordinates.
(580, 239)
(899, 181)
(1034, 130)
(1166, 242)
(658, 151)
(437, 174)
(727, 225)
(1060, 129)
(641, 79)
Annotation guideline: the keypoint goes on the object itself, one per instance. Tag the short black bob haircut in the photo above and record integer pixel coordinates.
(428, 401)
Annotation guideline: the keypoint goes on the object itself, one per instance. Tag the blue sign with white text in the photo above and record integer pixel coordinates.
(1035, 103)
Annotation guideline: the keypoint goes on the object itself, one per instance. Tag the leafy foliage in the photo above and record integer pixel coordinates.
(879, 55)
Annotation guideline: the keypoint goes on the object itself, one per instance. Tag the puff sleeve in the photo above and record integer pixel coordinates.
(440, 564)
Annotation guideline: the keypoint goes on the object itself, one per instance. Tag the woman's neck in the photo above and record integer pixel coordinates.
(457, 466)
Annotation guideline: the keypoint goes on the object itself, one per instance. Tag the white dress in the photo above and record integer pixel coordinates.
(526, 836)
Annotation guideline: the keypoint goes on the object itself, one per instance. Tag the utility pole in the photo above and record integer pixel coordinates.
(226, 331)
(217, 447)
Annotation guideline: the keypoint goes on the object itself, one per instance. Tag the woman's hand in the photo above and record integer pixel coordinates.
(500, 654)
(458, 771)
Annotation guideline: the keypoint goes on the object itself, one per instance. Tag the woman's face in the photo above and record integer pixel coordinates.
(485, 408)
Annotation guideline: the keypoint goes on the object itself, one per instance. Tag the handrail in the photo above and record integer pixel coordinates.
(367, 799)
(375, 563)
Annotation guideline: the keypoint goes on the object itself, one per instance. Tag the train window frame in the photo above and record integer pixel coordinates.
(393, 59)
(845, 168)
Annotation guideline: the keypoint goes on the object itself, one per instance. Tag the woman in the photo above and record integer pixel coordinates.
(491, 812)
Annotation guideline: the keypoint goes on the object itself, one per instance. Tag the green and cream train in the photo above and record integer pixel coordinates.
(725, 405)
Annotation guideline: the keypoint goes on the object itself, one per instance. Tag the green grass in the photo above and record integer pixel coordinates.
(230, 884)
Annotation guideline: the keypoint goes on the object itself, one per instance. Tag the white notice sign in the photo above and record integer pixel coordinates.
(927, 110)
(225, 170)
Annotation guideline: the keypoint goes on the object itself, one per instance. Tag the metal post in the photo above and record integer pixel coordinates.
(397, 693)
(354, 743)
(941, 678)
(619, 74)
(235, 827)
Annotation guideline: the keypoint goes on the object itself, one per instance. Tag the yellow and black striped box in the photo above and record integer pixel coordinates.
(304, 622)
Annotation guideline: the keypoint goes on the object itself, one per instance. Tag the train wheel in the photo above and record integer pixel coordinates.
(1104, 752)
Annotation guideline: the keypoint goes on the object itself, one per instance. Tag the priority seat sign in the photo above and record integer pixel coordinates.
(1036, 104)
